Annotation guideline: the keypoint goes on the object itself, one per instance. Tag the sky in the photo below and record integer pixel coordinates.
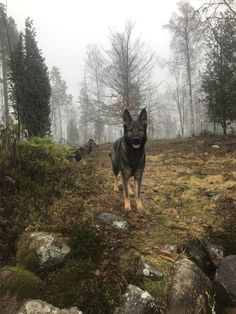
(65, 28)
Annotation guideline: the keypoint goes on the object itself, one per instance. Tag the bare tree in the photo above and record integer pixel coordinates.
(210, 9)
(186, 31)
(86, 107)
(176, 93)
(129, 70)
(95, 65)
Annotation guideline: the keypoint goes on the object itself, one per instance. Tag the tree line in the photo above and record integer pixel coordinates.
(199, 96)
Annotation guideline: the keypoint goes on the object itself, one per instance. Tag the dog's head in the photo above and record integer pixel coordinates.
(91, 142)
(135, 131)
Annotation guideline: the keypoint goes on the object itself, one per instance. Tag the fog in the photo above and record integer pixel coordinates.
(105, 56)
(65, 28)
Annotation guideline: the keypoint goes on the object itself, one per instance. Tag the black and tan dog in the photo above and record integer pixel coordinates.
(128, 156)
(83, 151)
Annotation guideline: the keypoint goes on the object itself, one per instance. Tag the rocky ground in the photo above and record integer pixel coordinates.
(189, 195)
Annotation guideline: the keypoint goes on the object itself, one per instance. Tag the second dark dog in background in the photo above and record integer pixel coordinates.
(128, 156)
(84, 150)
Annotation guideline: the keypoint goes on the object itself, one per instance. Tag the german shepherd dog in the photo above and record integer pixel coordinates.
(85, 150)
(128, 156)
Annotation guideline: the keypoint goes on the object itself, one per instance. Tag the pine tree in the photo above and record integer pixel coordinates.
(219, 80)
(35, 111)
(59, 102)
(16, 79)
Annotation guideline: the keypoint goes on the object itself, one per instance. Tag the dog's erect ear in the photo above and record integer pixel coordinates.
(126, 117)
(143, 116)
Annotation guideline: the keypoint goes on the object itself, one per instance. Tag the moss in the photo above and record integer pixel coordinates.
(21, 283)
(158, 288)
(29, 260)
(85, 242)
(78, 283)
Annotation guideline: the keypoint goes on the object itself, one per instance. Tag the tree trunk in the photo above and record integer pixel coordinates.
(224, 127)
(5, 88)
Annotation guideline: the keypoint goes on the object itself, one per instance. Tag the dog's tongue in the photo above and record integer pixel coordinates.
(136, 145)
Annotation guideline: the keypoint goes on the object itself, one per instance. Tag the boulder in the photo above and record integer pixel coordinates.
(198, 253)
(147, 271)
(190, 291)
(41, 251)
(41, 307)
(216, 253)
(19, 282)
(113, 220)
(136, 301)
(225, 281)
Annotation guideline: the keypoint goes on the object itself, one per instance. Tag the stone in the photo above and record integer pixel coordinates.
(41, 251)
(225, 281)
(113, 220)
(198, 253)
(137, 301)
(190, 291)
(147, 271)
(41, 307)
(216, 253)
(171, 247)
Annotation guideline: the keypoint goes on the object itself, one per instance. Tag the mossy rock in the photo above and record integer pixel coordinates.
(40, 251)
(20, 282)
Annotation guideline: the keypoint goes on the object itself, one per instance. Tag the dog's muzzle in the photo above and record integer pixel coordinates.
(136, 143)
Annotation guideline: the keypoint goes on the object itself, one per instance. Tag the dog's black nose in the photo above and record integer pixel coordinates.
(136, 140)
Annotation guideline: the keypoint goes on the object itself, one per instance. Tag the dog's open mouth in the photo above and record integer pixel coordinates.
(136, 146)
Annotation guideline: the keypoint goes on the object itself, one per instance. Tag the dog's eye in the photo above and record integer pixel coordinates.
(141, 132)
(129, 134)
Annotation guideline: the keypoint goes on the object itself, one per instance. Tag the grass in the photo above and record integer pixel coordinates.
(188, 192)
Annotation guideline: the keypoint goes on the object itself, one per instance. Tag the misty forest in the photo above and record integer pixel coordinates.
(72, 241)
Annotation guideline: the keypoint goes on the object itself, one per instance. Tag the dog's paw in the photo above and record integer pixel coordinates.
(116, 188)
(127, 205)
(131, 192)
(139, 204)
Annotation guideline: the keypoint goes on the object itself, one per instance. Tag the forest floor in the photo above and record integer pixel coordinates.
(188, 192)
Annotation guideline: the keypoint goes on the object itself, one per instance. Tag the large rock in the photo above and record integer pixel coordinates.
(198, 253)
(41, 307)
(41, 251)
(113, 220)
(19, 282)
(225, 281)
(190, 291)
(136, 301)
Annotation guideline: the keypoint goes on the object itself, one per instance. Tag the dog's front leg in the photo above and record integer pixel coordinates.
(125, 183)
(137, 181)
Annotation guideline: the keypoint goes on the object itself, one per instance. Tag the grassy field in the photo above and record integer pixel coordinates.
(188, 191)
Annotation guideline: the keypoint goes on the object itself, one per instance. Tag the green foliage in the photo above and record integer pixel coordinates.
(77, 284)
(219, 80)
(29, 183)
(21, 283)
(30, 87)
(86, 242)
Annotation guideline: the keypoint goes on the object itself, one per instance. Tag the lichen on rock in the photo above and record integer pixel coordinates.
(41, 251)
